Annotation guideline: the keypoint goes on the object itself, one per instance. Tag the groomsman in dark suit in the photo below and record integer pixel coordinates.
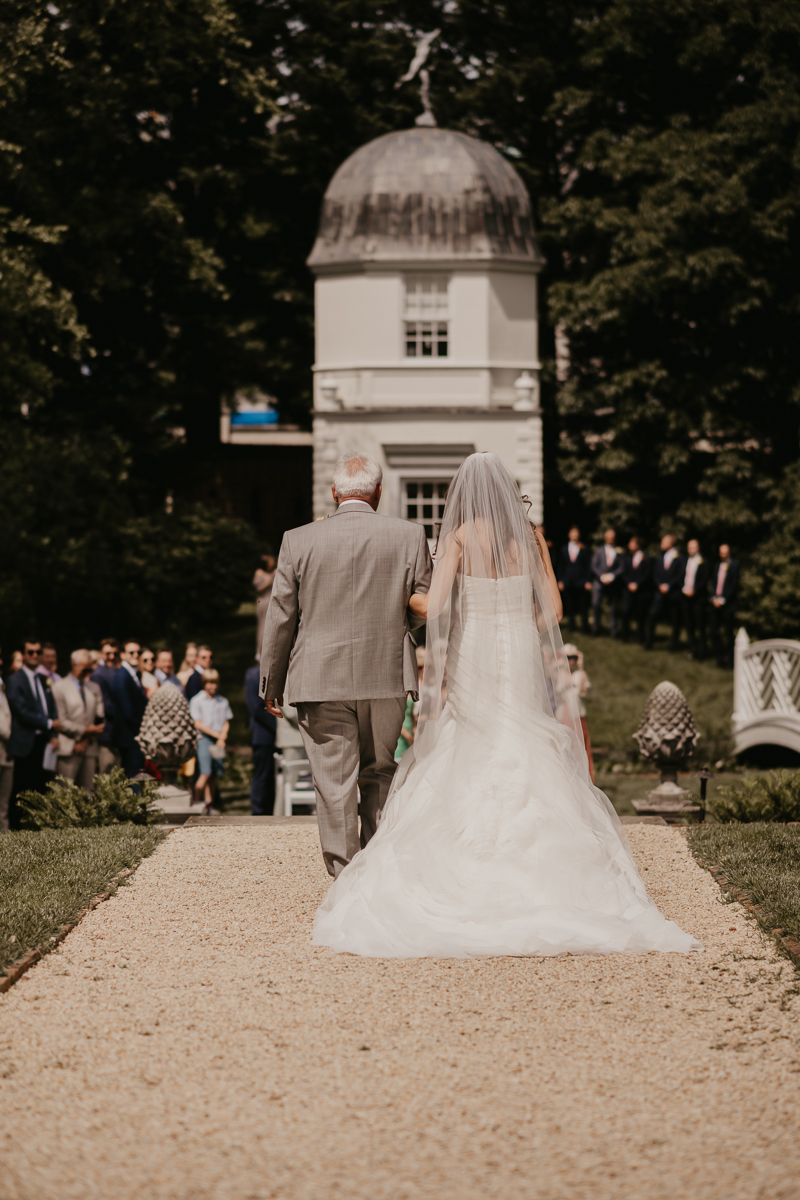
(636, 584)
(104, 675)
(694, 597)
(34, 723)
(724, 590)
(606, 579)
(262, 727)
(669, 571)
(130, 700)
(574, 581)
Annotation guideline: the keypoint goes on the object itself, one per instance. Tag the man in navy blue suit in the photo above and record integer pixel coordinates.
(574, 582)
(669, 572)
(130, 701)
(262, 726)
(194, 683)
(34, 721)
(104, 675)
(636, 568)
(724, 590)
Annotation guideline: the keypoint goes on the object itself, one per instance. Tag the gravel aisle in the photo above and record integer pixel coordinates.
(187, 1042)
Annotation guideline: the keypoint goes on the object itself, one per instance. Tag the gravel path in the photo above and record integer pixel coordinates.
(187, 1042)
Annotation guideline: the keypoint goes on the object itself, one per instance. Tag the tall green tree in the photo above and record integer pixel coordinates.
(678, 284)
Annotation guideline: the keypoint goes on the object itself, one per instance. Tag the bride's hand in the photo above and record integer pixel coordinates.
(419, 605)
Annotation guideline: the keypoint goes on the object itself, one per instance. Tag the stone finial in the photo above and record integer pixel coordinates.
(168, 735)
(667, 730)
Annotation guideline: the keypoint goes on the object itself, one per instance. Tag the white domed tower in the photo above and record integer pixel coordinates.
(426, 319)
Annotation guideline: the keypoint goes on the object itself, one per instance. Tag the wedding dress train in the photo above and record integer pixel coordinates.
(495, 842)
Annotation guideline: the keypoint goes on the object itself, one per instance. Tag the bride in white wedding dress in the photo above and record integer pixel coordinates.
(493, 840)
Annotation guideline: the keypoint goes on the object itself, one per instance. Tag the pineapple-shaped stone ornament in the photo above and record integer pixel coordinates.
(667, 734)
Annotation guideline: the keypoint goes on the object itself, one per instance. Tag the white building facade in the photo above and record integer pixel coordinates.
(426, 270)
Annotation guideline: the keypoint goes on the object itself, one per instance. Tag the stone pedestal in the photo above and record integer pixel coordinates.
(669, 801)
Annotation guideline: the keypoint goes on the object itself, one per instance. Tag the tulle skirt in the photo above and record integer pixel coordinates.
(494, 841)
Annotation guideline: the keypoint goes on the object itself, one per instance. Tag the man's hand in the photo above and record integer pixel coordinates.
(560, 586)
(633, 587)
(55, 724)
(588, 587)
(80, 747)
(53, 743)
(606, 578)
(274, 706)
(95, 728)
(663, 588)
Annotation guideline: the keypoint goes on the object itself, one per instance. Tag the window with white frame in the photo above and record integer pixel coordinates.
(426, 316)
(423, 503)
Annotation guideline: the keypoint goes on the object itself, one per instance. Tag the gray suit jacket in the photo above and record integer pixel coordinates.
(338, 624)
(75, 717)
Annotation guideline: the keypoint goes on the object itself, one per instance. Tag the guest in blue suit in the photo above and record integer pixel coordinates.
(263, 726)
(194, 683)
(104, 675)
(34, 721)
(130, 701)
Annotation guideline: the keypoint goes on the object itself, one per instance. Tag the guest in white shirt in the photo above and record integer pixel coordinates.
(724, 590)
(636, 589)
(49, 663)
(669, 572)
(212, 715)
(694, 595)
(34, 725)
(574, 582)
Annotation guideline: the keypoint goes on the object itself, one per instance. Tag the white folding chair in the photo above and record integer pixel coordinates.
(293, 785)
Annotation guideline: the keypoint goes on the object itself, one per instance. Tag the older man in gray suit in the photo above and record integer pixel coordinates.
(337, 641)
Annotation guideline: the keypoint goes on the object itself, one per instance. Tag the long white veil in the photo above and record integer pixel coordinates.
(486, 535)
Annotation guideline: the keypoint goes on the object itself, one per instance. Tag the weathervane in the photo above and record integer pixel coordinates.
(422, 50)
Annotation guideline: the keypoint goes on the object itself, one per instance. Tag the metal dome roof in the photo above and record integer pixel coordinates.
(425, 194)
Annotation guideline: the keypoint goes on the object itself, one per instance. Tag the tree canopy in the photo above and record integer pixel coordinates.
(161, 171)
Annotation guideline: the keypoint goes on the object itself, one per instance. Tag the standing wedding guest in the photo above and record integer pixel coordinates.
(262, 582)
(95, 657)
(80, 711)
(582, 686)
(606, 577)
(189, 663)
(130, 701)
(147, 662)
(34, 725)
(212, 715)
(194, 683)
(165, 670)
(49, 664)
(104, 675)
(574, 582)
(694, 598)
(636, 568)
(6, 761)
(262, 729)
(16, 662)
(724, 590)
(668, 574)
(338, 640)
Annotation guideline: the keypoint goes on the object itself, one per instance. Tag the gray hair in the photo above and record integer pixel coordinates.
(356, 474)
(80, 656)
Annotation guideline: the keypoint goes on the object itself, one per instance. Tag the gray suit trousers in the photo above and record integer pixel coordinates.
(350, 745)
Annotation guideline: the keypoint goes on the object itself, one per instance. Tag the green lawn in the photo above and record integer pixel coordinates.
(46, 878)
(623, 676)
(763, 860)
